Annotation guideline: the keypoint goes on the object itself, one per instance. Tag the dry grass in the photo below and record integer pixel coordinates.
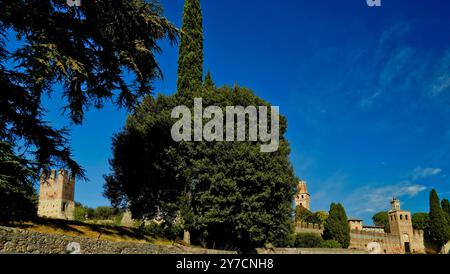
(94, 231)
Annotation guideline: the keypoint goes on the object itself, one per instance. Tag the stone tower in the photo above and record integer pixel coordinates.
(401, 225)
(56, 198)
(303, 198)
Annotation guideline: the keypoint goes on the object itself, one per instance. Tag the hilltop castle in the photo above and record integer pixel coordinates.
(56, 198)
(401, 239)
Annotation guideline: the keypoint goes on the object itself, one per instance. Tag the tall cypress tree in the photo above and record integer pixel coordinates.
(190, 60)
(336, 227)
(446, 206)
(209, 85)
(439, 227)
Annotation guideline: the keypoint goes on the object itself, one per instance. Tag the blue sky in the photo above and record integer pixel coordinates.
(366, 92)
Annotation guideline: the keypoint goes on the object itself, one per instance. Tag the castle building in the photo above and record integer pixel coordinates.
(401, 239)
(400, 222)
(56, 195)
(303, 198)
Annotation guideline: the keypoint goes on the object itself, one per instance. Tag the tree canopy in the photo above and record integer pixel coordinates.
(336, 226)
(237, 195)
(439, 226)
(190, 60)
(86, 50)
(382, 219)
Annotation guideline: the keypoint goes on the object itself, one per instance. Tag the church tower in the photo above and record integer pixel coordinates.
(303, 198)
(401, 225)
(56, 198)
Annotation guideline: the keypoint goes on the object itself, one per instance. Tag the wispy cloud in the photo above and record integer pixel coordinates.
(371, 199)
(441, 81)
(420, 173)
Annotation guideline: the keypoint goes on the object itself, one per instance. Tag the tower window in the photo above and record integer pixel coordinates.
(401, 217)
(303, 196)
(406, 217)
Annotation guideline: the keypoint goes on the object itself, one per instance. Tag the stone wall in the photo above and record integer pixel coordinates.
(14, 240)
(389, 244)
(294, 251)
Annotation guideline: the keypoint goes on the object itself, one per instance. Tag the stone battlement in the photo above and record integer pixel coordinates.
(56, 195)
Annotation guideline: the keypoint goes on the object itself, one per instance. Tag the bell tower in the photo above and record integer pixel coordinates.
(303, 198)
(401, 225)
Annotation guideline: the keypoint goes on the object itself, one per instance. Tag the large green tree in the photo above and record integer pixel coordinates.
(446, 207)
(237, 196)
(17, 195)
(80, 54)
(190, 62)
(86, 50)
(439, 226)
(421, 221)
(382, 219)
(336, 226)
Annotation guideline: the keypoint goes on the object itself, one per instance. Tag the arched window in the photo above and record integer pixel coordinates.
(406, 217)
(401, 217)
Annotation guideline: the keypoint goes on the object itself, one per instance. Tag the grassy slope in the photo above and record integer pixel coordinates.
(94, 231)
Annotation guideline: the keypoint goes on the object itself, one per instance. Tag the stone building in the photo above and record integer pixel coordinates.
(402, 238)
(303, 198)
(56, 195)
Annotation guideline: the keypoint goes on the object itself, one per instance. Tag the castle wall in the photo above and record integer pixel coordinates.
(389, 244)
(309, 228)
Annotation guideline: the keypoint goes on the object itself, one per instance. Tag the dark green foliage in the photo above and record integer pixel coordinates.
(330, 244)
(446, 208)
(439, 226)
(382, 219)
(86, 50)
(229, 193)
(302, 214)
(421, 221)
(18, 199)
(168, 230)
(308, 240)
(209, 85)
(190, 60)
(105, 213)
(336, 227)
(83, 213)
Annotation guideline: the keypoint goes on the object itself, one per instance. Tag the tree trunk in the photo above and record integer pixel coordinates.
(187, 237)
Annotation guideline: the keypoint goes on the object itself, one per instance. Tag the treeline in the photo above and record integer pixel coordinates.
(336, 229)
(54, 53)
(102, 213)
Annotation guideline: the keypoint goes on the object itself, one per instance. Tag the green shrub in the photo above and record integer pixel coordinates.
(166, 230)
(330, 244)
(308, 240)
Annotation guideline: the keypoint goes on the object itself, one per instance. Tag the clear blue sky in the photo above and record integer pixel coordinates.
(366, 92)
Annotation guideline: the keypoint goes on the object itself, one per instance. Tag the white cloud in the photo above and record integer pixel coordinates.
(441, 81)
(420, 172)
(372, 199)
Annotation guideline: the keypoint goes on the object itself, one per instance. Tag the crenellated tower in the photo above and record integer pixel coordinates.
(56, 198)
(400, 224)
